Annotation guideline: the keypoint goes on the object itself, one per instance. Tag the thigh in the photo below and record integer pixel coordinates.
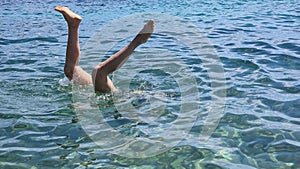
(81, 77)
(102, 82)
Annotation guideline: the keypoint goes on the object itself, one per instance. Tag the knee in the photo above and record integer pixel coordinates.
(99, 71)
(96, 71)
(69, 72)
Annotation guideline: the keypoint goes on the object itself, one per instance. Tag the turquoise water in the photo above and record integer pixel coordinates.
(258, 44)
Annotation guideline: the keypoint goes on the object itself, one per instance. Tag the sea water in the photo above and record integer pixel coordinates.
(257, 43)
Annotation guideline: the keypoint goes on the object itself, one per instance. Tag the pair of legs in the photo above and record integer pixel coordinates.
(99, 78)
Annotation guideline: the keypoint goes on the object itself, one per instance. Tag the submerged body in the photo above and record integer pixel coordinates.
(99, 77)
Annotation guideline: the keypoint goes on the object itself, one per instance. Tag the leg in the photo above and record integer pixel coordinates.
(71, 69)
(101, 81)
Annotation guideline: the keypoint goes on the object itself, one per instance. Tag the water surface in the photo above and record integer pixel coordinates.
(258, 44)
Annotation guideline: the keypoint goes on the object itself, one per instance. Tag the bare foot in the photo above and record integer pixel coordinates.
(145, 33)
(72, 18)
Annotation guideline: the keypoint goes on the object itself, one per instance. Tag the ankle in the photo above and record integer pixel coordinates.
(73, 27)
(135, 42)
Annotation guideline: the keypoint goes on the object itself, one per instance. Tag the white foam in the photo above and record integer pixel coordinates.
(64, 81)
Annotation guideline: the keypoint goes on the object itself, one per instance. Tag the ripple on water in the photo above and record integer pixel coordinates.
(286, 61)
(177, 157)
(260, 44)
(281, 84)
(287, 107)
(13, 41)
(248, 50)
(239, 63)
(290, 46)
(17, 70)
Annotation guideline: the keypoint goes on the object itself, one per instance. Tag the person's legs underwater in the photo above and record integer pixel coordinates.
(100, 79)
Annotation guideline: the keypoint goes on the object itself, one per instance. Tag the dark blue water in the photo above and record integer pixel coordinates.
(258, 43)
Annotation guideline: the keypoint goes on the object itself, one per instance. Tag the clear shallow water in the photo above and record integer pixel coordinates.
(257, 42)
